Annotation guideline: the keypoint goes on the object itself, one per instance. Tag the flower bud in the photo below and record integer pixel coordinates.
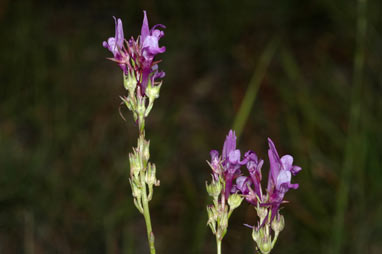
(136, 191)
(130, 82)
(222, 225)
(278, 223)
(151, 175)
(143, 150)
(223, 216)
(234, 201)
(211, 211)
(146, 150)
(262, 212)
(256, 235)
(134, 164)
(152, 91)
(263, 240)
(265, 245)
(214, 189)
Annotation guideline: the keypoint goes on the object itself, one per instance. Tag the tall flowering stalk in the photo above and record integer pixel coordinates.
(267, 205)
(135, 57)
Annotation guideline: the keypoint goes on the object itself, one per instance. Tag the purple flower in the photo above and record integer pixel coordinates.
(244, 186)
(280, 176)
(231, 162)
(150, 38)
(228, 166)
(215, 164)
(115, 44)
(250, 187)
(149, 44)
(280, 173)
(254, 168)
(229, 144)
(156, 74)
(136, 57)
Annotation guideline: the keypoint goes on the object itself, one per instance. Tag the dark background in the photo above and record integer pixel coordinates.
(64, 147)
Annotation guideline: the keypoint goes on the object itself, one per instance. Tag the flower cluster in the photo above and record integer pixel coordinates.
(227, 170)
(136, 59)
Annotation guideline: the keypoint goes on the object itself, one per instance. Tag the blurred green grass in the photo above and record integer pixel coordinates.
(63, 146)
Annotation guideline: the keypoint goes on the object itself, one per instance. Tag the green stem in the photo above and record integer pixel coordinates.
(275, 239)
(218, 245)
(145, 201)
(146, 214)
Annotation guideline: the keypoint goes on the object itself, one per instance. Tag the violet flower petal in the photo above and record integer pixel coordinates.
(119, 37)
(274, 161)
(280, 176)
(242, 183)
(145, 28)
(286, 161)
(215, 163)
(229, 144)
(283, 177)
(234, 156)
(295, 170)
(115, 44)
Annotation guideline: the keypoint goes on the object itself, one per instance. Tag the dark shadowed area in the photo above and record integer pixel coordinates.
(305, 73)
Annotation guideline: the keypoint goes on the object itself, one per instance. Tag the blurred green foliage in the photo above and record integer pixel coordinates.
(64, 148)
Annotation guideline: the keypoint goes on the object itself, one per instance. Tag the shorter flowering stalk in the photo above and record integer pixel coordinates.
(140, 71)
(224, 170)
(230, 186)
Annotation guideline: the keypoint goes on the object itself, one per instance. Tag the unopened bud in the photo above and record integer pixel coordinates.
(262, 239)
(211, 218)
(278, 223)
(256, 235)
(214, 189)
(262, 212)
(134, 164)
(136, 191)
(212, 212)
(146, 150)
(234, 201)
(151, 175)
(130, 83)
(265, 245)
(223, 220)
(152, 91)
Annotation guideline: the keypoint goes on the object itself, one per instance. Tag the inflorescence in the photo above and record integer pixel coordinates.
(229, 185)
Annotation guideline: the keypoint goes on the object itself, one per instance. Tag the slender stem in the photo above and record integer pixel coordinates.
(218, 245)
(145, 201)
(275, 238)
(146, 214)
